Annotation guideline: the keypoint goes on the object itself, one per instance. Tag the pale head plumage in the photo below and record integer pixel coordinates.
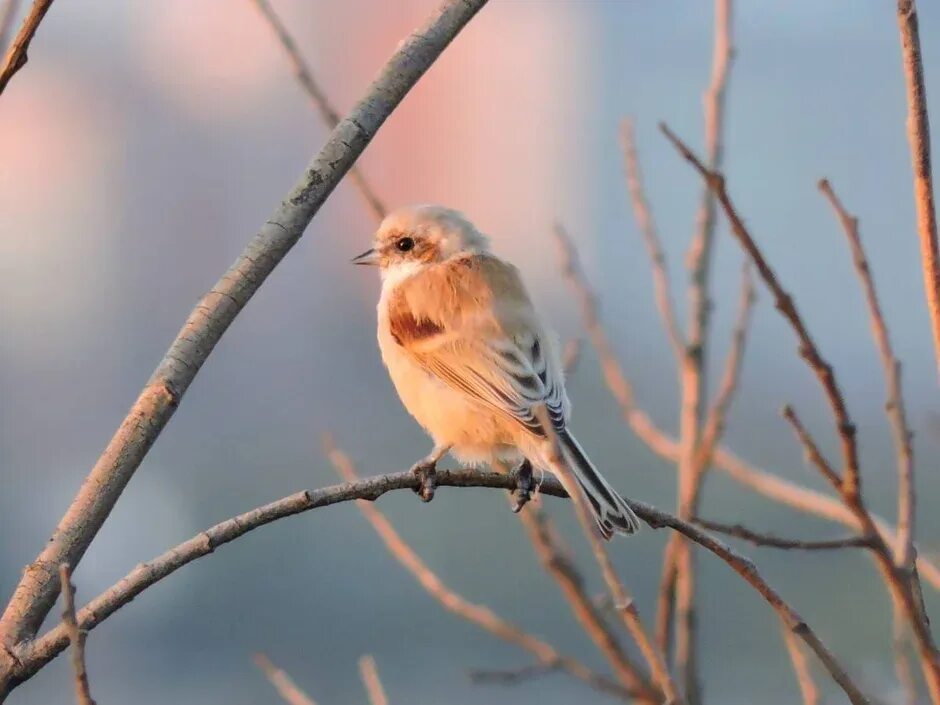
(415, 236)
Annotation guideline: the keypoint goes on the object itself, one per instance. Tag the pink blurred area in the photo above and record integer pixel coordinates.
(486, 131)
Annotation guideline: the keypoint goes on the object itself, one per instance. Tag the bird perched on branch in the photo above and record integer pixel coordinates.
(473, 362)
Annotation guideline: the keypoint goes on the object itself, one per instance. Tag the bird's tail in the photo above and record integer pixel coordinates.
(611, 512)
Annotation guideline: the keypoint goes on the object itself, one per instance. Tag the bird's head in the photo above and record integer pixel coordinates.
(416, 236)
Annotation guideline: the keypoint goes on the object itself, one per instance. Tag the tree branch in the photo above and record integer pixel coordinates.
(801, 668)
(762, 482)
(289, 691)
(758, 539)
(370, 679)
(33, 655)
(918, 135)
(7, 16)
(317, 97)
(623, 602)
(894, 402)
(569, 579)
(16, 56)
(36, 591)
(901, 585)
(76, 637)
(479, 615)
(718, 412)
(654, 248)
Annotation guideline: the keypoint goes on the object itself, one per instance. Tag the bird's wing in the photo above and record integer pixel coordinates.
(470, 323)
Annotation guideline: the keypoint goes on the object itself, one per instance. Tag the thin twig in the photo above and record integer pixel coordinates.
(894, 401)
(918, 135)
(784, 302)
(36, 591)
(902, 658)
(31, 656)
(760, 539)
(370, 679)
(289, 691)
(319, 99)
(666, 596)
(616, 380)
(762, 482)
(692, 373)
(560, 567)
(654, 249)
(801, 667)
(718, 412)
(901, 585)
(479, 615)
(811, 448)
(622, 600)
(7, 17)
(76, 637)
(16, 56)
(513, 676)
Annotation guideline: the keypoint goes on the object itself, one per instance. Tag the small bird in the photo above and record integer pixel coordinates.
(472, 360)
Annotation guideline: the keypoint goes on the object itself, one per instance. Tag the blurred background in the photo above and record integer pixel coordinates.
(144, 143)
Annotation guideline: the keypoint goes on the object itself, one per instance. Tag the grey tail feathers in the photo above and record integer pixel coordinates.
(611, 512)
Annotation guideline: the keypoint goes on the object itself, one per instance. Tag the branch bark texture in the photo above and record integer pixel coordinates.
(36, 592)
(16, 56)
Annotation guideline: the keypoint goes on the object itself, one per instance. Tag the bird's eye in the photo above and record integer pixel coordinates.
(405, 244)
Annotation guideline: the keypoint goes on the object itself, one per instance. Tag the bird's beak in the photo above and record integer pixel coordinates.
(370, 256)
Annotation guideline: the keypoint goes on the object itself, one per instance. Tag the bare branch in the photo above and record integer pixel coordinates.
(894, 402)
(601, 683)
(317, 98)
(918, 135)
(715, 419)
(758, 539)
(693, 368)
(616, 380)
(666, 596)
(31, 656)
(902, 658)
(289, 691)
(654, 249)
(801, 668)
(76, 637)
(7, 16)
(767, 484)
(479, 615)
(900, 584)
(36, 591)
(810, 448)
(807, 347)
(370, 679)
(622, 600)
(562, 570)
(16, 56)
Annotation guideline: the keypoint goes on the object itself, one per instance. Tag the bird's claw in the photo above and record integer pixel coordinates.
(524, 486)
(427, 473)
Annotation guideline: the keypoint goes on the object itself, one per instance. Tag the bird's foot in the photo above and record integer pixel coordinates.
(524, 486)
(426, 472)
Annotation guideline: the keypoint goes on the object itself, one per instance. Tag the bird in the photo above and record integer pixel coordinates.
(474, 363)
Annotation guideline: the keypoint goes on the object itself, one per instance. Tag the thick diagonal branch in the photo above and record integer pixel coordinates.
(212, 316)
(318, 98)
(16, 56)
